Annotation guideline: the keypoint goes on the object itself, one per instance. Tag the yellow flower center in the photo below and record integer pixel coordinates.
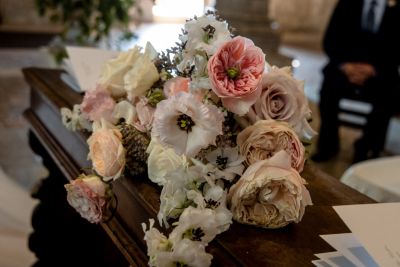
(233, 72)
(185, 123)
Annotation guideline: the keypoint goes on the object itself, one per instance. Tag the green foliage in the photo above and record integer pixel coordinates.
(90, 19)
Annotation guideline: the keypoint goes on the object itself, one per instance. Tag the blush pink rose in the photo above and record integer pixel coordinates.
(145, 115)
(98, 104)
(88, 195)
(267, 137)
(107, 153)
(176, 85)
(235, 73)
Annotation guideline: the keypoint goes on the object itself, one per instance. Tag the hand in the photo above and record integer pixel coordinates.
(357, 73)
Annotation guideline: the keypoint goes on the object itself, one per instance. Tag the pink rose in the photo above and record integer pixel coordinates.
(267, 137)
(269, 194)
(107, 153)
(88, 195)
(235, 73)
(176, 85)
(145, 115)
(283, 99)
(98, 104)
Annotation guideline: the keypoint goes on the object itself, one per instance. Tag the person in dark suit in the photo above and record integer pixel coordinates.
(363, 47)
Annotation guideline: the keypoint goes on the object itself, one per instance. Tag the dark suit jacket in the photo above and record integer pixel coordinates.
(346, 41)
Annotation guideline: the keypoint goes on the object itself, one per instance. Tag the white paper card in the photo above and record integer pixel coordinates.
(335, 259)
(348, 245)
(321, 263)
(86, 64)
(377, 227)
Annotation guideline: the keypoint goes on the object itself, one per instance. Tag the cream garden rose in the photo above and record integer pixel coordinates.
(88, 195)
(265, 138)
(107, 153)
(270, 194)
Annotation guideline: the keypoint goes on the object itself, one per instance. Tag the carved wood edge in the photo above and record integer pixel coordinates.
(121, 239)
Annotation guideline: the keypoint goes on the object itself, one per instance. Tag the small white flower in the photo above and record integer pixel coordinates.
(174, 195)
(204, 34)
(185, 124)
(199, 225)
(73, 119)
(125, 110)
(228, 162)
(155, 242)
(185, 253)
(213, 197)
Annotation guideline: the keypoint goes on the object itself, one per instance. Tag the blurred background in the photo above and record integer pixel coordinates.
(33, 33)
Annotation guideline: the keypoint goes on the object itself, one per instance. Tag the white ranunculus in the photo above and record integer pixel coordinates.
(162, 161)
(155, 242)
(112, 75)
(185, 253)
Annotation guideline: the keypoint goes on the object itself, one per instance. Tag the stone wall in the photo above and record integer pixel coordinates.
(250, 19)
(20, 12)
(302, 22)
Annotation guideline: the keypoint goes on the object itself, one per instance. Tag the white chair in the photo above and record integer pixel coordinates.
(377, 178)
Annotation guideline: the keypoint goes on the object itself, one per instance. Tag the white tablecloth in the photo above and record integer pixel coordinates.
(378, 178)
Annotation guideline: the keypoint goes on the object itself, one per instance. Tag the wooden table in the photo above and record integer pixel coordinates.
(241, 245)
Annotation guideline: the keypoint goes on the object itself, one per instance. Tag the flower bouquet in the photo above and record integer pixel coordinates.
(212, 123)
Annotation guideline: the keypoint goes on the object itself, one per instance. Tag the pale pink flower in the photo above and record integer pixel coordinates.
(270, 194)
(283, 99)
(145, 115)
(176, 85)
(235, 73)
(107, 153)
(88, 195)
(185, 124)
(97, 103)
(267, 137)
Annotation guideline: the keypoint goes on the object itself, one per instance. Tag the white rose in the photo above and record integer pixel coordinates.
(162, 161)
(142, 75)
(112, 75)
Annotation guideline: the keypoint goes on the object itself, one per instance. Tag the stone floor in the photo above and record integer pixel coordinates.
(16, 159)
(20, 168)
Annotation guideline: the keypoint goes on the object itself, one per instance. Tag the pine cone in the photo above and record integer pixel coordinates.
(135, 144)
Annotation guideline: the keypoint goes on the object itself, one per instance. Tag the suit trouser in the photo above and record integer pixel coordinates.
(382, 97)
